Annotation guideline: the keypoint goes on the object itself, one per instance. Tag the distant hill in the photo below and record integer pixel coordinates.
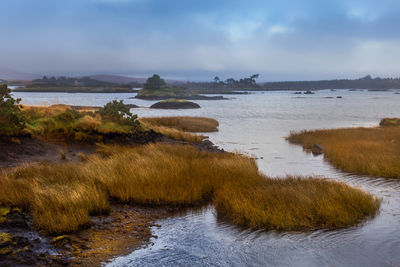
(117, 79)
(14, 75)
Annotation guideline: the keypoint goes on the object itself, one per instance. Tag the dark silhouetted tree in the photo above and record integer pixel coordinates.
(154, 83)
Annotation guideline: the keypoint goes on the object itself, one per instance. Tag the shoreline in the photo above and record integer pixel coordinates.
(123, 230)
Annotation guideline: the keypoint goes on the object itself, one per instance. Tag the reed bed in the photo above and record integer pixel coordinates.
(183, 123)
(370, 151)
(61, 197)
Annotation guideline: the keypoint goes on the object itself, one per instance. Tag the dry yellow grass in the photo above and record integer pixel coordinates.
(35, 112)
(294, 203)
(181, 128)
(62, 197)
(186, 124)
(370, 151)
(178, 134)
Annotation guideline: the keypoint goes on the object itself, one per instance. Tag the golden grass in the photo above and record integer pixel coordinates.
(179, 135)
(370, 151)
(181, 128)
(186, 124)
(62, 197)
(294, 203)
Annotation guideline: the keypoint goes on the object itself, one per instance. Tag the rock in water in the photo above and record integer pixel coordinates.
(317, 149)
(175, 104)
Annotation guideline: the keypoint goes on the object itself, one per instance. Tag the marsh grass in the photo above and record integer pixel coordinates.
(181, 127)
(187, 124)
(178, 135)
(370, 151)
(61, 197)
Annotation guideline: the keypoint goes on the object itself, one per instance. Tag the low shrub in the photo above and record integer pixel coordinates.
(12, 121)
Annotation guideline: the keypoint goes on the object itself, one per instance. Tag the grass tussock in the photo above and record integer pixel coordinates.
(294, 203)
(390, 122)
(187, 124)
(370, 151)
(181, 128)
(178, 135)
(62, 197)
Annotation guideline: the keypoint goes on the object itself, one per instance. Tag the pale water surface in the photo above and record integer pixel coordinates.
(257, 124)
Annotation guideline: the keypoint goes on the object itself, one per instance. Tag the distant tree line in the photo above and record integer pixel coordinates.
(230, 83)
(76, 82)
(366, 82)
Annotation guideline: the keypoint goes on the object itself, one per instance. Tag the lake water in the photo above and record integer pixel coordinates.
(257, 124)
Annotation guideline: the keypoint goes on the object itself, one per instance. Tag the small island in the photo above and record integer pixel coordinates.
(175, 104)
(156, 88)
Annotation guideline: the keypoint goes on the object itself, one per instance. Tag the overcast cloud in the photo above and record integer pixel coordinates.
(191, 39)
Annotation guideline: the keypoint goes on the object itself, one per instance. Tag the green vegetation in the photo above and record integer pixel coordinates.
(390, 122)
(12, 121)
(370, 151)
(187, 124)
(61, 197)
(87, 125)
(154, 83)
(118, 112)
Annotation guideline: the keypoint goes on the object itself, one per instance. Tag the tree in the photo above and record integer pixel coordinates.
(154, 83)
(118, 111)
(216, 79)
(230, 81)
(12, 121)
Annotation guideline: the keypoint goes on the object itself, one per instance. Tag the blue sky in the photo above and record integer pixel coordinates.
(198, 39)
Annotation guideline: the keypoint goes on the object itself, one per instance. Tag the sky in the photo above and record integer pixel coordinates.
(199, 39)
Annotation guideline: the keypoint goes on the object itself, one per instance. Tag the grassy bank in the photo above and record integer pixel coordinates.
(61, 198)
(370, 151)
(187, 124)
(83, 124)
(181, 127)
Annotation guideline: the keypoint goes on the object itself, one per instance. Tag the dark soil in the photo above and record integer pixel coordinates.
(30, 150)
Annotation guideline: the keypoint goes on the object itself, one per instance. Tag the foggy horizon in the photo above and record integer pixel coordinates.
(188, 40)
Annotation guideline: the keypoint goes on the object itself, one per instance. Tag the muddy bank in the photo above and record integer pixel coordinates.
(32, 150)
(125, 229)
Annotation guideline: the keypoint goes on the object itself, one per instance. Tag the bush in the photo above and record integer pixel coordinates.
(69, 115)
(12, 121)
(117, 111)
